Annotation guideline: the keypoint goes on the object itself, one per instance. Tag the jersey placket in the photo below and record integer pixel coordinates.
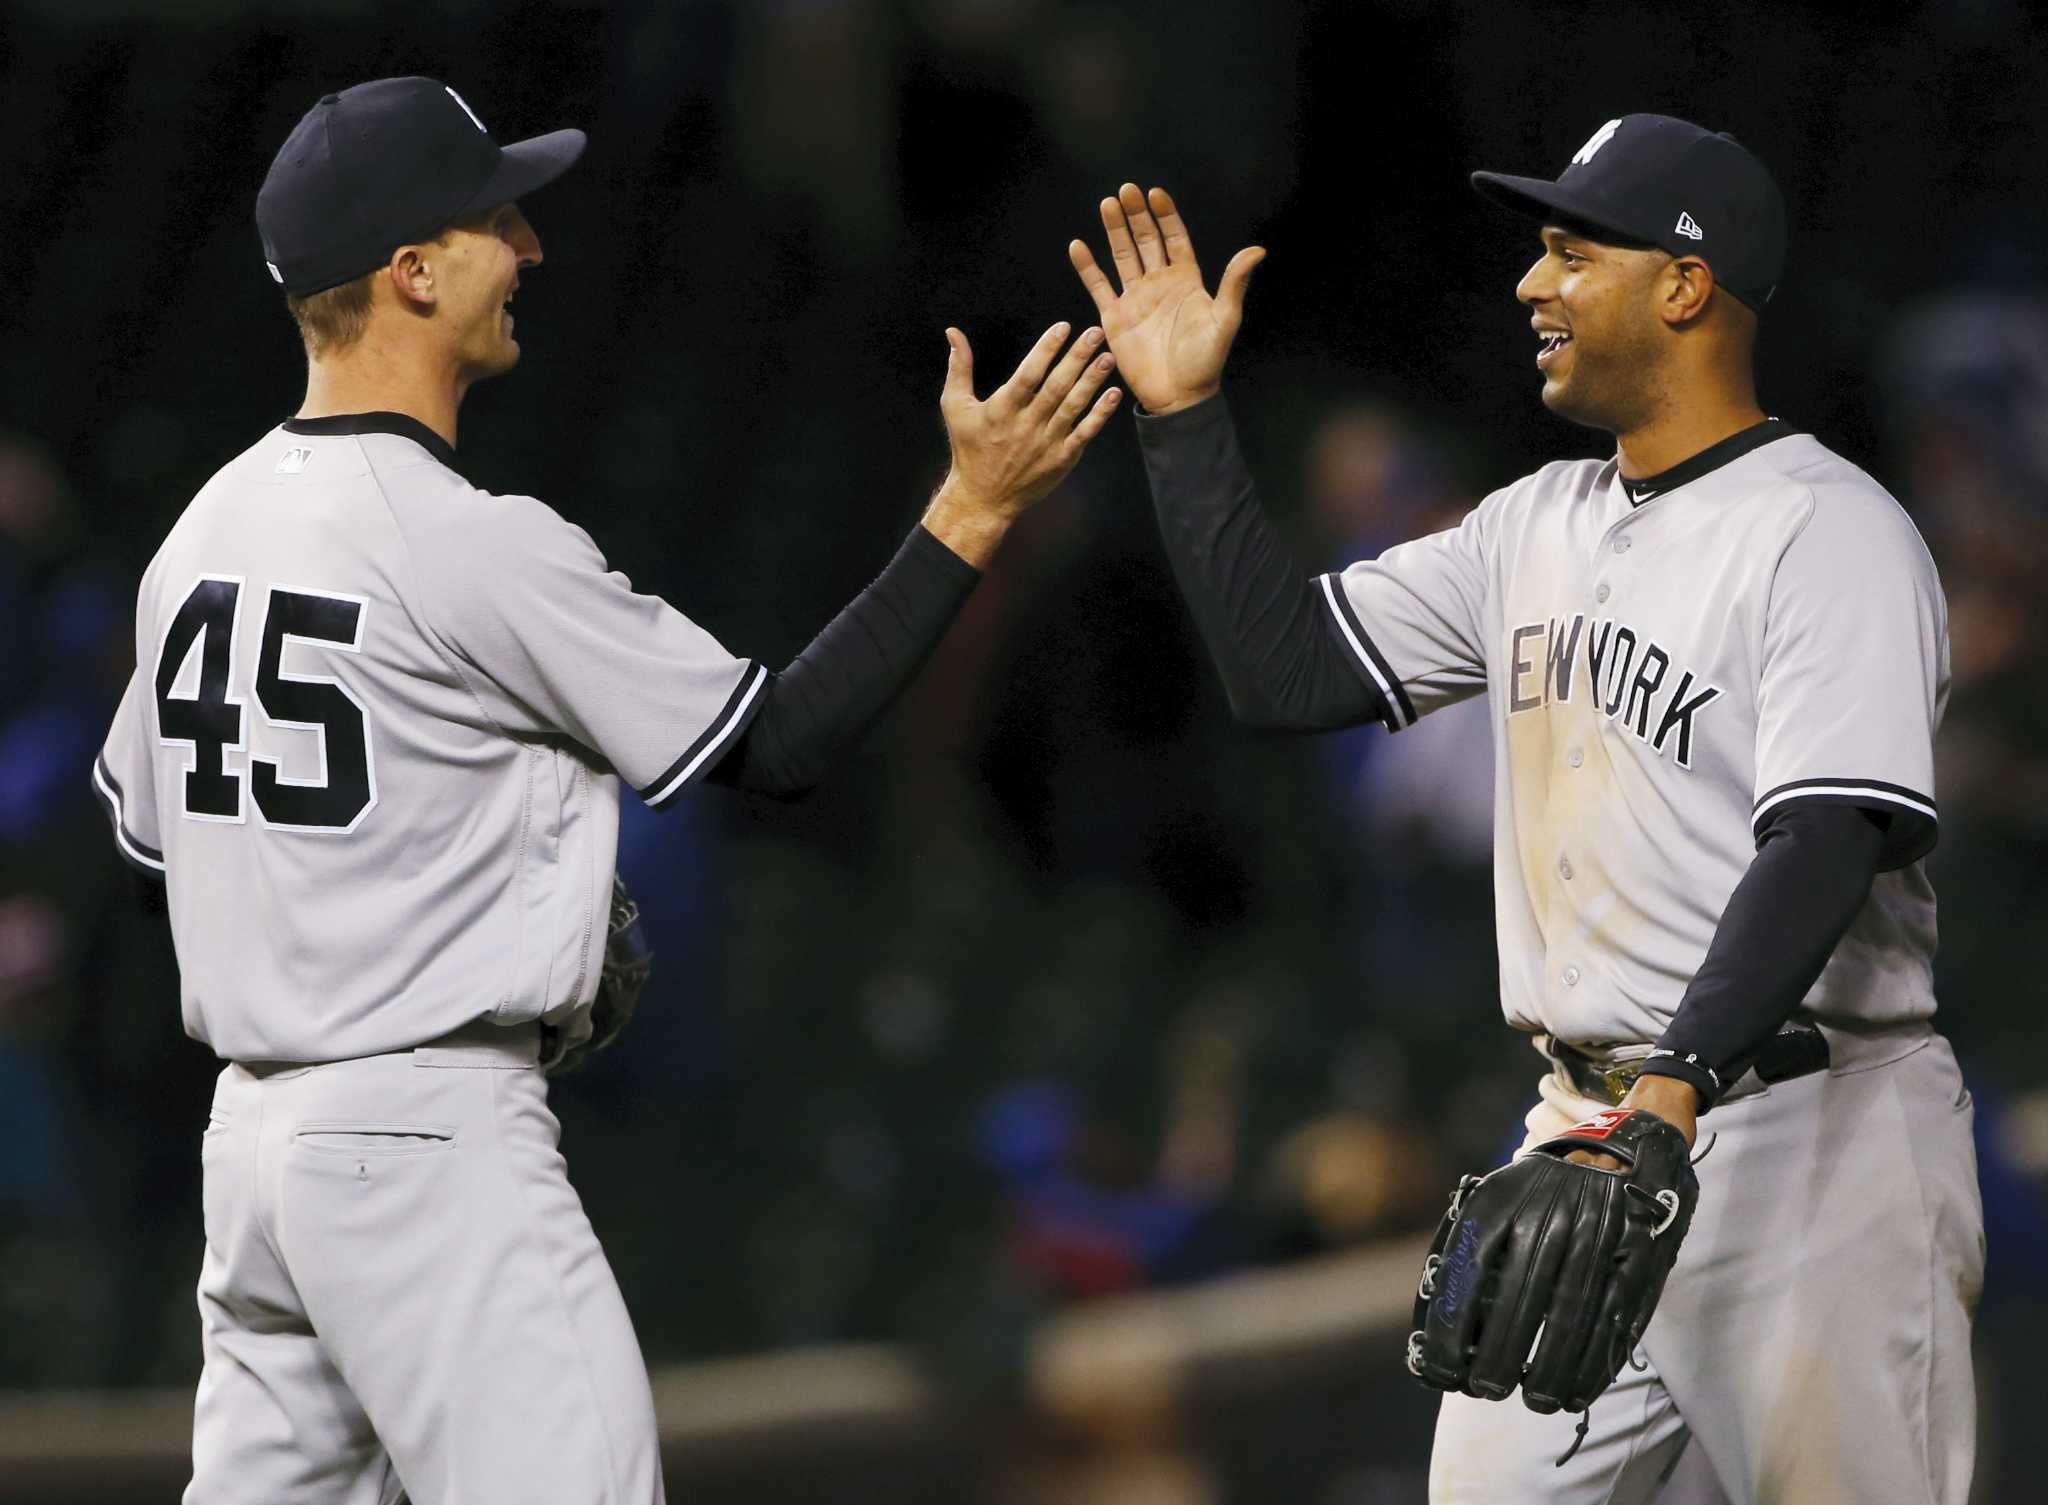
(1568, 973)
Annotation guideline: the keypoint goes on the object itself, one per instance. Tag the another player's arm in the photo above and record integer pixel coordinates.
(1274, 643)
(1007, 453)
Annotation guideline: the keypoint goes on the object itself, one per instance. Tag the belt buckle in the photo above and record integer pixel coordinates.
(1619, 1078)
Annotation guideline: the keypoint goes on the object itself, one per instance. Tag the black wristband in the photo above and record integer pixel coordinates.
(1687, 1068)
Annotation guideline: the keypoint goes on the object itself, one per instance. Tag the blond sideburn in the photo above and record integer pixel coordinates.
(334, 319)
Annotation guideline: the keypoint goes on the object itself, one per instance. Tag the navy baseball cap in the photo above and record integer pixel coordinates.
(385, 163)
(1655, 181)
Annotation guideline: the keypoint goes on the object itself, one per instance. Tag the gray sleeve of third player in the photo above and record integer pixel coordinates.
(561, 642)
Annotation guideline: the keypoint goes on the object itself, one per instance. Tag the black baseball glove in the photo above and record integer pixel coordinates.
(1543, 1245)
(627, 962)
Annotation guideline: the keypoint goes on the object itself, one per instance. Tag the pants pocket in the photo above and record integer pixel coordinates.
(355, 1140)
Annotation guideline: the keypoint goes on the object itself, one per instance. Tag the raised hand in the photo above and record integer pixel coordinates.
(1169, 335)
(1012, 449)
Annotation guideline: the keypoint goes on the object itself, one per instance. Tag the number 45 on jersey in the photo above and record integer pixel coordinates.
(202, 711)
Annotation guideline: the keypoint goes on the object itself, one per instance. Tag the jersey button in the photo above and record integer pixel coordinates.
(1602, 593)
(1571, 977)
(1621, 545)
(1575, 756)
(1564, 868)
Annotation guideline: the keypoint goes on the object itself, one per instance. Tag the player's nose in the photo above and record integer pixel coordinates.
(519, 234)
(1535, 284)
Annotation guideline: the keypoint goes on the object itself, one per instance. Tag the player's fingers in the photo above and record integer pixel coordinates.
(1180, 250)
(1121, 249)
(1089, 427)
(959, 385)
(1030, 373)
(1092, 276)
(1088, 381)
(1151, 251)
(1056, 386)
(1236, 278)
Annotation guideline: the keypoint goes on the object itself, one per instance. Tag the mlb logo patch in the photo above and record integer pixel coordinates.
(293, 461)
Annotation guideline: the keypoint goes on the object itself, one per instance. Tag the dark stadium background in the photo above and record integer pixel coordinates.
(1064, 989)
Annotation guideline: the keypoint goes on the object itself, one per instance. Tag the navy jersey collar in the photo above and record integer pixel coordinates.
(1712, 458)
(401, 424)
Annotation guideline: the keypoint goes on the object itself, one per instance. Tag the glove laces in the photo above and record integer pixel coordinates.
(1578, 1436)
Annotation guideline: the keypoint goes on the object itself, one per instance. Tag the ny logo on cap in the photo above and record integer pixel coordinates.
(466, 109)
(1689, 227)
(1600, 138)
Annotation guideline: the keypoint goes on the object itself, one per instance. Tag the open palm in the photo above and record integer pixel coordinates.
(1169, 336)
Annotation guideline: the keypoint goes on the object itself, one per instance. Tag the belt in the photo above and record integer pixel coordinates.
(477, 1043)
(1797, 1050)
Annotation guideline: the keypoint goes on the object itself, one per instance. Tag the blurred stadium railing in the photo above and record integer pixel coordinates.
(1111, 1384)
(1273, 1387)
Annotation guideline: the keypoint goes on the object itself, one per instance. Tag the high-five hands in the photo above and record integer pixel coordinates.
(1165, 332)
(1169, 335)
(1014, 448)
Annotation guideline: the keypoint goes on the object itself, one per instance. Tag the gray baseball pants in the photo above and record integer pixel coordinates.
(1813, 1342)
(401, 1296)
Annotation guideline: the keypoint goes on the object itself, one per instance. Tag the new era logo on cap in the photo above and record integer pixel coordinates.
(1689, 228)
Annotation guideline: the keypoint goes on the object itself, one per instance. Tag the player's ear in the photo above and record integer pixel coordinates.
(1686, 287)
(411, 274)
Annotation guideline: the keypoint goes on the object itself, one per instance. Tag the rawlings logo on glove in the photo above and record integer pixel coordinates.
(1599, 1126)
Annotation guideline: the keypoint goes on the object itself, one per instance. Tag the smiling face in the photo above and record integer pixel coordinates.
(477, 262)
(1594, 307)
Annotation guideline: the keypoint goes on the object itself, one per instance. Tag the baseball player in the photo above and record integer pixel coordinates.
(1714, 665)
(373, 746)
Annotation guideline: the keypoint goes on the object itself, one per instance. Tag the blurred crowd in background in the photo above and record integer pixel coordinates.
(1065, 985)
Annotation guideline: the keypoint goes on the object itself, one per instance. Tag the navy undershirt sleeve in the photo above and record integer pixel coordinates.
(1272, 640)
(1811, 875)
(836, 689)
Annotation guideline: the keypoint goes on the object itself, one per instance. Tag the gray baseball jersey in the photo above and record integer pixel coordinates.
(374, 739)
(1662, 677)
